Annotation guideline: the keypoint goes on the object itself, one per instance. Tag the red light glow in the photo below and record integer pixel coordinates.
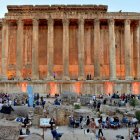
(135, 87)
(108, 87)
(78, 87)
(24, 87)
(53, 88)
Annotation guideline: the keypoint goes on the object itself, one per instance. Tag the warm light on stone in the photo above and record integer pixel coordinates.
(136, 87)
(108, 87)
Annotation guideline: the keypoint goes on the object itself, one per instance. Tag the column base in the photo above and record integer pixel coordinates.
(113, 78)
(97, 78)
(129, 78)
(3, 77)
(50, 78)
(67, 78)
(81, 78)
(18, 78)
(35, 78)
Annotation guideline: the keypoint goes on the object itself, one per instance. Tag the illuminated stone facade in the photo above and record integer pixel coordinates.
(70, 42)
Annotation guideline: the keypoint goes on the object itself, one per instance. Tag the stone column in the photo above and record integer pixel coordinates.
(50, 49)
(137, 44)
(81, 75)
(66, 49)
(5, 32)
(97, 49)
(19, 49)
(112, 50)
(35, 64)
(128, 55)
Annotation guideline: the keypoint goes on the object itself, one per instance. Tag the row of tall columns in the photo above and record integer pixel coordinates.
(50, 49)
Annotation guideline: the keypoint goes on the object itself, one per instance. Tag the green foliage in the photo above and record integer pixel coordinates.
(137, 114)
(77, 106)
(133, 102)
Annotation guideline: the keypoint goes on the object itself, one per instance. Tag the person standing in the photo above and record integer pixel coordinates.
(93, 125)
(52, 123)
(100, 129)
(87, 121)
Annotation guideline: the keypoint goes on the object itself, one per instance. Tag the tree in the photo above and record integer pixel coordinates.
(133, 102)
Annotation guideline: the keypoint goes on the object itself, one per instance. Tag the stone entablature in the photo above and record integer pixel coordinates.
(69, 11)
(52, 8)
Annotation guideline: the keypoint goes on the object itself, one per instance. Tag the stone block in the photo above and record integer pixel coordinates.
(9, 130)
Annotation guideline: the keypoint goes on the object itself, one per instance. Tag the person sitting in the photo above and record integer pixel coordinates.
(26, 121)
(134, 121)
(55, 134)
(56, 102)
(20, 132)
(136, 130)
(71, 121)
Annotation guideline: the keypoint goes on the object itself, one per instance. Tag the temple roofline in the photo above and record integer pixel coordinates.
(22, 8)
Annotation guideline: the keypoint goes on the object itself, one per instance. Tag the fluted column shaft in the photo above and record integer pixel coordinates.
(35, 68)
(81, 75)
(50, 48)
(66, 49)
(137, 45)
(19, 49)
(5, 32)
(112, 50)
(96, 49)
(128, 55)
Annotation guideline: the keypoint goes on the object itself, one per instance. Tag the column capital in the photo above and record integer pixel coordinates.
(50, 21)
(127, 22)
(111, 21)
(19, 21)
(137, 23)
(65, 22)
(96, 21)
(4, 22)
(35, 22)
(81, 21)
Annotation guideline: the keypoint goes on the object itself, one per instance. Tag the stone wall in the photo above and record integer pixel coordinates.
(87, 87)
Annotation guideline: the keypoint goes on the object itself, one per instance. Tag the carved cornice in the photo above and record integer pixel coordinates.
(48, 8)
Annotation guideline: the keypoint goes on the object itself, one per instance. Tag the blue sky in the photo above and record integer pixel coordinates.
(113, 5)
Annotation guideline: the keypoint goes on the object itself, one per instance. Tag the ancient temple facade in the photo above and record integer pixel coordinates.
(59, 45)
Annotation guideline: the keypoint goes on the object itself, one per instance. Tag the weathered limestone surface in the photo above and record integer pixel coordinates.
(9, 130)
(59, 113)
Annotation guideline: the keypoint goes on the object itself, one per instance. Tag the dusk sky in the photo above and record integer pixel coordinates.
(113, 5)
